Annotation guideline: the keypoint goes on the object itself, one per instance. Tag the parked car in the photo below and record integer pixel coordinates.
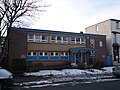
(6, 79)
(116, 71)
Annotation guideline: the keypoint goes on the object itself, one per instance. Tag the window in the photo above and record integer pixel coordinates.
(44, 38)
(64, 39)
(78, 40)
(37, 38)
(97, 28)
(54, 54)
(92, 53)
(53, 39)
(82, 40)
(117, 25)
(59, 39)
(30, 37)
(73, 40)
(64, 54)
(92, 42)
(43, 54)
(31, 53)
(101, 44)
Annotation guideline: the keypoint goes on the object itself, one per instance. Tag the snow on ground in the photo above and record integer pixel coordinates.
(65, 76)
(70, 72)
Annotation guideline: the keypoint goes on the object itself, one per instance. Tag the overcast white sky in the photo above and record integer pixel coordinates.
(76, 15)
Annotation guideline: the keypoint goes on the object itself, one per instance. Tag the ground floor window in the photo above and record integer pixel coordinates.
(45, 55)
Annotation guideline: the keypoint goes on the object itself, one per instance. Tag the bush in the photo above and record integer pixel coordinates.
(81, 64)
(18, 66)
(98, 64)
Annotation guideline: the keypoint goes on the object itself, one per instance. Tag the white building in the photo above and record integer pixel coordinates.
(110, 28)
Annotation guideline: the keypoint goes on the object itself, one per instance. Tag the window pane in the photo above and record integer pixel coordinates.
(44, 38)
(62, 53)
(37, 37)
(73, 40)
(82, 40)
(53, 37)
(58, 38)
(65, 38)
(52, 54)
(41, 53)
(66, 54)
(45, 53)
(29, 53)
(56, 54)
(100, 43)
(31, 36)
(34, 53)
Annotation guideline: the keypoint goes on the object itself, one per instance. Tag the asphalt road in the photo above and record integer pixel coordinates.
(108, 85)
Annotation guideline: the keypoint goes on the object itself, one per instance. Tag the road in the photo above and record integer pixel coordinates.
(108, 85)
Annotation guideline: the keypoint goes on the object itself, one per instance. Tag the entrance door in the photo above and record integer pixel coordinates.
(76, 56)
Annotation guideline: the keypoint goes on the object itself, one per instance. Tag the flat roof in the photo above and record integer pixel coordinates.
(53, 32)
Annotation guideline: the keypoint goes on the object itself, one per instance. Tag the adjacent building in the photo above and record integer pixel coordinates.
(46, 49)
(110, 28)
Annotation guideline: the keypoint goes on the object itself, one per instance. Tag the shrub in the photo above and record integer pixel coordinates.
(81, 64)
(18, 66)
(98, 64)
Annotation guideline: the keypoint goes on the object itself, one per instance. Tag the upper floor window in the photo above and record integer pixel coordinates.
(59, 39)
(44, 38)
(64, 39)
(82, 40)
(101, 44)
(77, 40)
(117, 25)
(97, 28)
(73, 40)
(37, 38)
(92, 42)
(30, 37)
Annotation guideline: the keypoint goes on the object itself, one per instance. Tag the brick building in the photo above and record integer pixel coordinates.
(45, 49)
(110, 28)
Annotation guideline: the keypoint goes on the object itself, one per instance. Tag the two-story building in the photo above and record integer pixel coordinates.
(45, 49)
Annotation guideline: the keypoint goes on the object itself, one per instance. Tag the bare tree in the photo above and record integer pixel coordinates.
(11, 11)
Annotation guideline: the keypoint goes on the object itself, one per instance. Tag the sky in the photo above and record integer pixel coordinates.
(76, 15)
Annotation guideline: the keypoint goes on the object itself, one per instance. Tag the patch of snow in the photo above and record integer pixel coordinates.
(108, 69)
(70, 72)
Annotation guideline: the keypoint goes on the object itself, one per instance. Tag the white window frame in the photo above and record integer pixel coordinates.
(73, 42)
(36, 38)
(64, 54)
(63, 40)
(31, 53)
(59, 41)
(54, 41)
(29, 39)
(43, 53)
(54, 54)
(43, 40)
(82, 40)
(77, 42)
